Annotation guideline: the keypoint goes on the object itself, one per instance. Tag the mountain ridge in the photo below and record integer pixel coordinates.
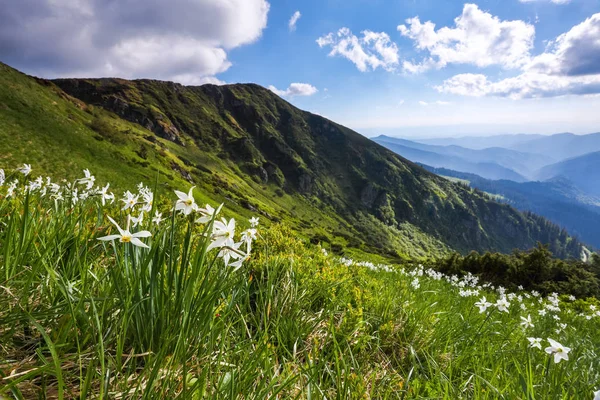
(583, 171)
(525, 164)
(244, 143)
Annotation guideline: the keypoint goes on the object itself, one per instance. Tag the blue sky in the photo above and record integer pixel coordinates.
(489, 66)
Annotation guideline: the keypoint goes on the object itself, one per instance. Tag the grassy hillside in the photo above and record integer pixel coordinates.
(87, 318)
(243, 145)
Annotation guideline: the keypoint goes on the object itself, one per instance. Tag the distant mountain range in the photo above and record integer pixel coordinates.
(481, 142)
(561, 146)
(491, 163)
(583, 171)
(556, 176)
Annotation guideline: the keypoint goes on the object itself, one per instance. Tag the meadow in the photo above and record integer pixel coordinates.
(147, 294)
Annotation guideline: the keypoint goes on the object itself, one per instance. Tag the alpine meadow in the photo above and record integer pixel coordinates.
(169, 233)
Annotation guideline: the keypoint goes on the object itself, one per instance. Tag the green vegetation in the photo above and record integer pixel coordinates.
(559, 200)
(82, 318)
(533, 270)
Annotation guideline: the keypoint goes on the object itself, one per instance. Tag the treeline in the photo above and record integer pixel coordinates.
(536, 269)
(558, 240)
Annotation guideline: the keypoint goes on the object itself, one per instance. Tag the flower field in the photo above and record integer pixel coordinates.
(146, 294)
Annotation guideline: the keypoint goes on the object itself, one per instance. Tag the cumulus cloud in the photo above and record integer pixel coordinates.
(570, 66)
(186, 41)
(293, 20)
(575, 53)
(295, 89)
(370, 51)
(478, 38)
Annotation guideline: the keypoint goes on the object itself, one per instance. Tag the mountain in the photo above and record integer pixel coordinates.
(489, 170)
(559, 200)
(481, 142)
(492, 163)
(583, 171)
(243, 145)
(561, 146)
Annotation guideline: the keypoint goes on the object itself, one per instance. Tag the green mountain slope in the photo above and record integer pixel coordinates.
(243, 145)
(558, 200)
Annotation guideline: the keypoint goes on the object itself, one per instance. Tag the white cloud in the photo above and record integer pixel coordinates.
(295, 89)
(211, 80)
(371, 51)
(186, 41)
(525, 85)
(571, 65)
(438, 103)
(574, 53)
(294, 20)
(478, 38)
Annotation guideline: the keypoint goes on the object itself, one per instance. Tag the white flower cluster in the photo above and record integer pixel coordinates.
(468, 286)
(137, 205)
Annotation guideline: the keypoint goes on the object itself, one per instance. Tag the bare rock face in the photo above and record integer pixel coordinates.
(185, 175)
(306, 184)
(369, 195)
(101, 93)
(264, 175)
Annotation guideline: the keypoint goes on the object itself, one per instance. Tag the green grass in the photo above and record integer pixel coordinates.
(81, 318)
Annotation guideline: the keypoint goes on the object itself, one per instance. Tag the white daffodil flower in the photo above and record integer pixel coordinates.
(559, 351)
(415, 283)
(11, 188)
(148, 197)
(207, 214)
(157, 218)
(88, 180)
(248, 236)
(526, 322)
(139, 220)
(253, 222)
(186, 203)
(483, 304)
(535, 342)
(25, 169)
(229, 253)
(223, 233)
(597, 395)
(2, 177)
(502, 304)
(104, 195)
(130, 200)
(125, 236)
